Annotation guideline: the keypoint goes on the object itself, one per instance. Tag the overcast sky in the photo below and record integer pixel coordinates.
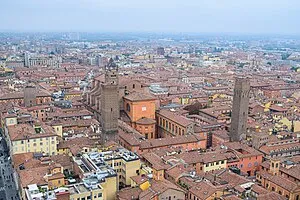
(209, 16)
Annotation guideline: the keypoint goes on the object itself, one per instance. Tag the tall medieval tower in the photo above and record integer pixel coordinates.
(30, 93)
(240, 109)
(110, 102)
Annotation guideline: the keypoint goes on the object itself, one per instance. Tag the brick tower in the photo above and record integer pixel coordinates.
(30, 95)
(110, 102)
(240, 109)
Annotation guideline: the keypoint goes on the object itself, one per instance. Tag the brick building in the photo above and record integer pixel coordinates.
(140, 109)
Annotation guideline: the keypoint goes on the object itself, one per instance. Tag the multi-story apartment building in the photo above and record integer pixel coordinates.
(42, 61)
(90, 188)
(24, 138)
(110, 170)
(124, 162)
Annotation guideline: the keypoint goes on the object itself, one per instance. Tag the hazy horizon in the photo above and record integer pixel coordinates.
(167, 16)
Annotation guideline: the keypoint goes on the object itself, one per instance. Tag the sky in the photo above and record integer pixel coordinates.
(178, 16)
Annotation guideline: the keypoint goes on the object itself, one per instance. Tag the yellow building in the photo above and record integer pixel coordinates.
(125, 163)
(286, 122)
(56, 178)
(80, 191)
(214, 165)
(110, 169)
(110, 188)
(184, 100)
(72, 94)
(58, 129)
(27, 138)
(10, 120)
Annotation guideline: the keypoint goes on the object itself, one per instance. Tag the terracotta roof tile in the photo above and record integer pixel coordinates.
(137, 96)
(175, 117)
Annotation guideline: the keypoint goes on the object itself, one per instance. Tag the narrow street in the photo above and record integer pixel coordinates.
(7, 184)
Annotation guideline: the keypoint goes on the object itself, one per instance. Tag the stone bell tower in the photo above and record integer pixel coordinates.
(110, 102)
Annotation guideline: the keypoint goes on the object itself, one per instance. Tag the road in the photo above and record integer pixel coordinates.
(8, 189)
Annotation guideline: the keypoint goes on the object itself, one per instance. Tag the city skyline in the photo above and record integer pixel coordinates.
(232, 16)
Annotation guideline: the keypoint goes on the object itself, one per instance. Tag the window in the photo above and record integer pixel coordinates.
(242, 165)
(133, 86)
(273, 189)
(99, 195)
(128, 107)
(222, 162)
